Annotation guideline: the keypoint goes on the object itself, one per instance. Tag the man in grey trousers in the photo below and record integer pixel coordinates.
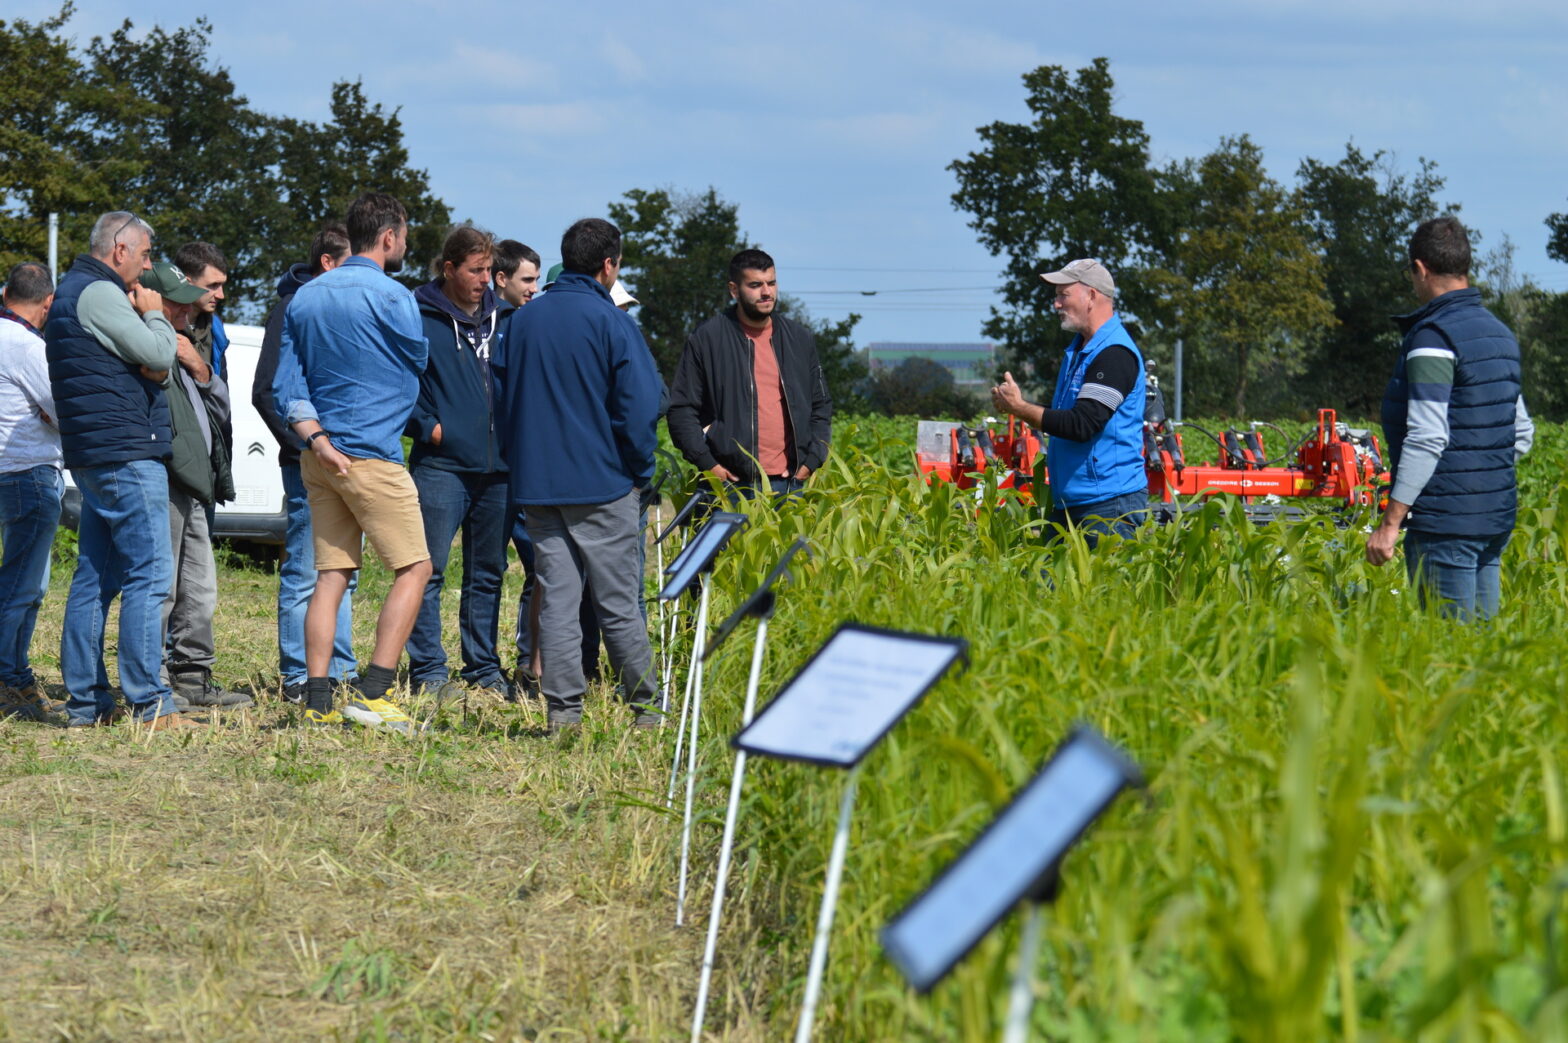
(578, 405)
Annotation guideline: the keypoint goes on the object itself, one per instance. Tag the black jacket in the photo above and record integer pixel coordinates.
(715, 389)
(455, 390)
(261, 396)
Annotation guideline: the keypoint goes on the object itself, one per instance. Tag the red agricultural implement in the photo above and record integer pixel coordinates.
(1335, 462)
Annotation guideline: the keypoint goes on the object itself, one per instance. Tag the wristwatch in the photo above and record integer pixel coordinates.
(313, 436)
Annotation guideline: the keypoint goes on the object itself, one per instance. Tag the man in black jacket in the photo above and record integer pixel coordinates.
(297, 572)
(749, 404)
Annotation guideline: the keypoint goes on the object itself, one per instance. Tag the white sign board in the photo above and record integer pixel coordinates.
(849, 695)
(1009, 859)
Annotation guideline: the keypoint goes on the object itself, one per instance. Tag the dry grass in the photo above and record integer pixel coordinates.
(257, 880)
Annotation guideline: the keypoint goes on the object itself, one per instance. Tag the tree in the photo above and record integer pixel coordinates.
(43, 129)
(1362, 211)
(1074, 182)
(676, 249)
(919, 387)
(1255, 292)
(1557, 243)
(151, 123)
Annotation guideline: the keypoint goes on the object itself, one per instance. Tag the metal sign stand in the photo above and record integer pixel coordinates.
(759, 605)
(819, 946)
(1021, 1003)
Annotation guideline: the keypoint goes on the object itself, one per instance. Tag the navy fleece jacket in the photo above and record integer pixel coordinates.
(455, 390)
(577, 397)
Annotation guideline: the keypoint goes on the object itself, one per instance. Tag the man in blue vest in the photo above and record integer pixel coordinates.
(110, 348)
(1456, 425)
(1095, 419)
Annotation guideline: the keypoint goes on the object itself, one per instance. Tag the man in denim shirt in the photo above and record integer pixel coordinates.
(348, 374)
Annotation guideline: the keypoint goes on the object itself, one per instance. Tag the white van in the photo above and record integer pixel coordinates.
(256, 513)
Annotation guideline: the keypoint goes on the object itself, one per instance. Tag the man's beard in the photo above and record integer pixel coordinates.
(757, 318)
(393, 266)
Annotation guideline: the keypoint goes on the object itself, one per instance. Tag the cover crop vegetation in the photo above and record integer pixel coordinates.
(1356, 825)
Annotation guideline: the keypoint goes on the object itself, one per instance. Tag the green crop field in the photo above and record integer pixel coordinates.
(1356, 824)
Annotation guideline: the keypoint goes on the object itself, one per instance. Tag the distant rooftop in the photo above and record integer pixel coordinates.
(970, 363)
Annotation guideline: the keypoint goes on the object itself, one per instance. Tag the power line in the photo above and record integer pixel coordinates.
(873, 293)
(951, 271)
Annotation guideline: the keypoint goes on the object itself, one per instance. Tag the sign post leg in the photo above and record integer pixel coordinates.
(691, 756)
(1022, 1002)
(699, 646)
(819, 948)
(737, 779)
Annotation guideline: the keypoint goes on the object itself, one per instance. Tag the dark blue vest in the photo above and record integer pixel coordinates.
(1472, 492)
(108, 412)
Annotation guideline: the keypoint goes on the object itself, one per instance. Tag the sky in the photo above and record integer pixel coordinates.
(831, 125)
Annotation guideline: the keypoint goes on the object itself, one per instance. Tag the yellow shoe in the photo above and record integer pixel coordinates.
(379, 713)
(330, 719)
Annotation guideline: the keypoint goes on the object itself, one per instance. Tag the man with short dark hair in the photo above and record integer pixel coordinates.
(457, 466)
(110, 349)
(575, 376)
(30, 482)
(205, 266)
(516, 272)
(360, 349)
(1095, 419)
(748, 391)
(1456, 425)
(199, 477)
(297, 570)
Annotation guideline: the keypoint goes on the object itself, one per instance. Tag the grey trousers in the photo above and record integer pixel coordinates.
(193, 596)
(596, 542)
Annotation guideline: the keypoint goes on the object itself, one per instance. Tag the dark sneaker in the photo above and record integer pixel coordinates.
(180, 705)
(196, 687)
(294, 693)
(23, 704)
(562, 727)
(648, 718)
(525, 685)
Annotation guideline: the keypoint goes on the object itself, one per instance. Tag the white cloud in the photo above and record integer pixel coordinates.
(570, 119)
(625, 61)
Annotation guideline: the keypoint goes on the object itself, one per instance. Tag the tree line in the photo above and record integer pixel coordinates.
(1280, 294)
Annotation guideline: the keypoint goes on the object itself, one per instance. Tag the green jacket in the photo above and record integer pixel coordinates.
(199, 466)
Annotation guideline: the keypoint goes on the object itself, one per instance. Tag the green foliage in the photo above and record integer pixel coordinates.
(1557, 242)
(676, 251)
(919, 387)
(1355, 826)
(149, 122)
(1361, 212)
(1254, 284)
(1074, 182)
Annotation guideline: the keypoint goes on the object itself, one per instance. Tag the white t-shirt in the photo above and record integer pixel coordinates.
(26, 439)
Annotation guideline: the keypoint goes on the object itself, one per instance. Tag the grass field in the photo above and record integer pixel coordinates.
(1356, 825)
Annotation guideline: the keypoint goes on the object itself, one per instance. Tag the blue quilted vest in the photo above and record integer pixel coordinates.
(1111, 464)
(1472, 492)
(108, 412)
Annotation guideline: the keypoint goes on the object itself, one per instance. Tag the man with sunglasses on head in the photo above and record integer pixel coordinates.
(110, 349)
(1095, 419)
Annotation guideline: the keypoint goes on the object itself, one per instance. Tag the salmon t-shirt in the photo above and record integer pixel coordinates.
(772, 430)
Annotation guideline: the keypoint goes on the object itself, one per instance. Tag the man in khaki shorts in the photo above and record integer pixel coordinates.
(348, 373)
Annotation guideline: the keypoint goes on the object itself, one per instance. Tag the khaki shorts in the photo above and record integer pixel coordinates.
(376, 501)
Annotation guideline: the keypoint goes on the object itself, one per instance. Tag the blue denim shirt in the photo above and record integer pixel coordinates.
(350, 358)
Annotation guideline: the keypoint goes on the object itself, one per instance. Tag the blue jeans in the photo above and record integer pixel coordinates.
(29, 514)
(122, 548)
(1120, 515)
(1463, 572)
(296, 582)
(474, 504)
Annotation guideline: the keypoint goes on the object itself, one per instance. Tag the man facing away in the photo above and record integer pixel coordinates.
(110, 350)
(457, 466)
(576, 381)
(355, 334)
(748, 391)
(30, 482)
(1095, 419)
(199, 476)
(297, 571)
(1456, 425)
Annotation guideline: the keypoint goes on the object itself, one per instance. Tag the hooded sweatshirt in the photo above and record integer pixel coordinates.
(455, 390)
(289, 444)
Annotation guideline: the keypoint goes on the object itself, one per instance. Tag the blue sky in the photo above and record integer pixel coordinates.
(831, 124)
